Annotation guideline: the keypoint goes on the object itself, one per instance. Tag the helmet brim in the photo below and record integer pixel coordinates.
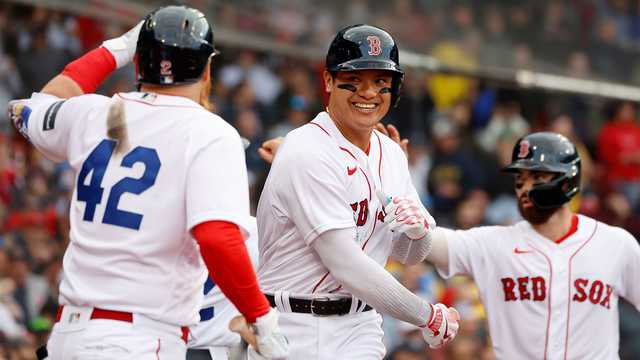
(367, 64)
(527, 164)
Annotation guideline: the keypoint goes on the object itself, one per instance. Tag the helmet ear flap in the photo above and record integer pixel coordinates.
(549, 195)
(556, 192)
(396, 86)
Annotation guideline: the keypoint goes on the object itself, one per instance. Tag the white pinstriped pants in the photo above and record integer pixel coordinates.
(102, 339)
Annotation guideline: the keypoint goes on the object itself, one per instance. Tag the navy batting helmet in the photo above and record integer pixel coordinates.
(549, 152)
(366, 47)
(174, 46)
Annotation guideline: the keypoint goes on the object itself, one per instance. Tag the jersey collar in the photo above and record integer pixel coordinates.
(584, 229)
(154, 99)
(324, 120)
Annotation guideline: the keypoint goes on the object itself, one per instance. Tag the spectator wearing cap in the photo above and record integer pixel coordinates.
(505, 124)
(454, 172)
(264, 83)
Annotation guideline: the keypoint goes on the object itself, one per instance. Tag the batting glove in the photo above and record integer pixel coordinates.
(442, 327)
(19, 113)
(123, 48)
(406, 216)
(272, 344)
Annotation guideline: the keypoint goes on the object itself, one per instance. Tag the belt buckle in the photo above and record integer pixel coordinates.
(325, 299)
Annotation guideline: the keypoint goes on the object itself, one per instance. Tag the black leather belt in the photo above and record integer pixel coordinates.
(199, 354)
(320, 306)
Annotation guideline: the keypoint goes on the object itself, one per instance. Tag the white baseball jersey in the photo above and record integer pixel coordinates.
(318, 182)
(131, 213)
(549, 300)
(217, 310)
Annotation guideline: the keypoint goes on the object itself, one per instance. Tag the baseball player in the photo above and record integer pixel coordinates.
(146, 186)
(211, 338)
(550, 283)
(324, 236)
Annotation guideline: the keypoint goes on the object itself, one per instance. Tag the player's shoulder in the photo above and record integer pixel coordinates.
(311, 133)
(185, 110)
(92, 98)
(211, 124)
(85, 101)
(308, 143)
(388, 145)
(611, 233)
(492, 233)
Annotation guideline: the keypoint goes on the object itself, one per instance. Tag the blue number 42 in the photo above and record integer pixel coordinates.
(92, 194)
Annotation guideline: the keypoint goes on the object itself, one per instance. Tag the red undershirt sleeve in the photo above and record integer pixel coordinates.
(225, 254)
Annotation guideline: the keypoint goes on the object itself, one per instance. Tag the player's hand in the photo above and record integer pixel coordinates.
(269, 148)
(18, 113)
(393, 133)
(271, 342)
(443, 326)
(406, 216)
(123, 48)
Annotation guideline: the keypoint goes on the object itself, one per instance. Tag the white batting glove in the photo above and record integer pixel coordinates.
(443, 326)
(123, 48)
(272, 344)
(406, 216)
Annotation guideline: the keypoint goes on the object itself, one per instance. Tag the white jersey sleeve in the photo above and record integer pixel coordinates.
(406, 250)
(313, 193)
(631, 270)
(470, 251)
(53, 122)
(217, 186)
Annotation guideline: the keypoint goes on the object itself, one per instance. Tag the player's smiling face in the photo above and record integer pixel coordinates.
(359, 99)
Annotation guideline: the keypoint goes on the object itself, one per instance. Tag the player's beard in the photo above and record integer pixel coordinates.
(534, 215)
(205, 94)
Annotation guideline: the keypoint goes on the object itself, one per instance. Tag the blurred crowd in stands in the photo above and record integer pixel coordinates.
(461, 132)
(583, 38)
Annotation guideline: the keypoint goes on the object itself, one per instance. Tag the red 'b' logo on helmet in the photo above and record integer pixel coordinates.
(374, 45)
(524, 149)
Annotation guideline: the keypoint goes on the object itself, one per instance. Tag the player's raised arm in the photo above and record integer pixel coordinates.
(85, 74)
(47, 118)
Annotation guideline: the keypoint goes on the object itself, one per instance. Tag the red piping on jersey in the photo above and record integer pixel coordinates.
(566, 339)
(363, 246)
(163, 105)
(572, 229)
(341, 148)
(546, 336)
(379, 161)
(368, 183)
(336, 289)
(318, 125)
(319, 282)
(375, 221)
(348, 152)
(366, 151)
